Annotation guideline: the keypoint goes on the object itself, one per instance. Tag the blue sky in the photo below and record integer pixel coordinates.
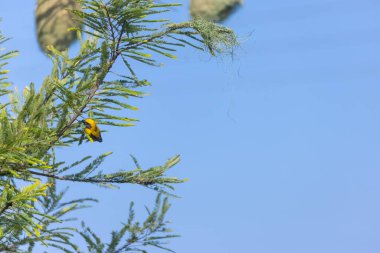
(281, 143)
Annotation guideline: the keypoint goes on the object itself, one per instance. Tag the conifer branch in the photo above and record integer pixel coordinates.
(132, 180)
(170, 29)
(88, 100)
(153, 178)
(136, 236)
(35, 121)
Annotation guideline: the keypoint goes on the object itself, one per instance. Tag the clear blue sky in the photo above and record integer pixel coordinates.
(281, 145)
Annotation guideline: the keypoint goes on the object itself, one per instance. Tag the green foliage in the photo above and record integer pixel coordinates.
(4, 84)
(36, 121)
(17, 210)
(135, 236)
(153, 178)
(45, 216)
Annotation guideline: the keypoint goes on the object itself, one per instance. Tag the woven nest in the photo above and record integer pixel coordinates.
(213, 10)
(53, 19)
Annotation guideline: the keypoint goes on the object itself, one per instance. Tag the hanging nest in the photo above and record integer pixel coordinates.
(53, 19)
(217, 38)
(213, 10)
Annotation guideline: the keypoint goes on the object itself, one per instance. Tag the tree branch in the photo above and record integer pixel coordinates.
(7, 205)
(168, 30)
(136, 180)
(115, 54)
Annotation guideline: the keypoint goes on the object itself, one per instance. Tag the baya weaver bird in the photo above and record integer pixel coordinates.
(91, 130)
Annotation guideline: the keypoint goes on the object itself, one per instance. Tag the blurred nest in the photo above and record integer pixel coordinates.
(213, 10)
(53, 19)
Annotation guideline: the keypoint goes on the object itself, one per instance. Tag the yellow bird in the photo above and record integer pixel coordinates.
(91, 130)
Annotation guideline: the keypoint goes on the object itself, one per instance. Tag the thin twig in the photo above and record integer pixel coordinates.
(111, 26)
(160, 34)
(94, 180)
